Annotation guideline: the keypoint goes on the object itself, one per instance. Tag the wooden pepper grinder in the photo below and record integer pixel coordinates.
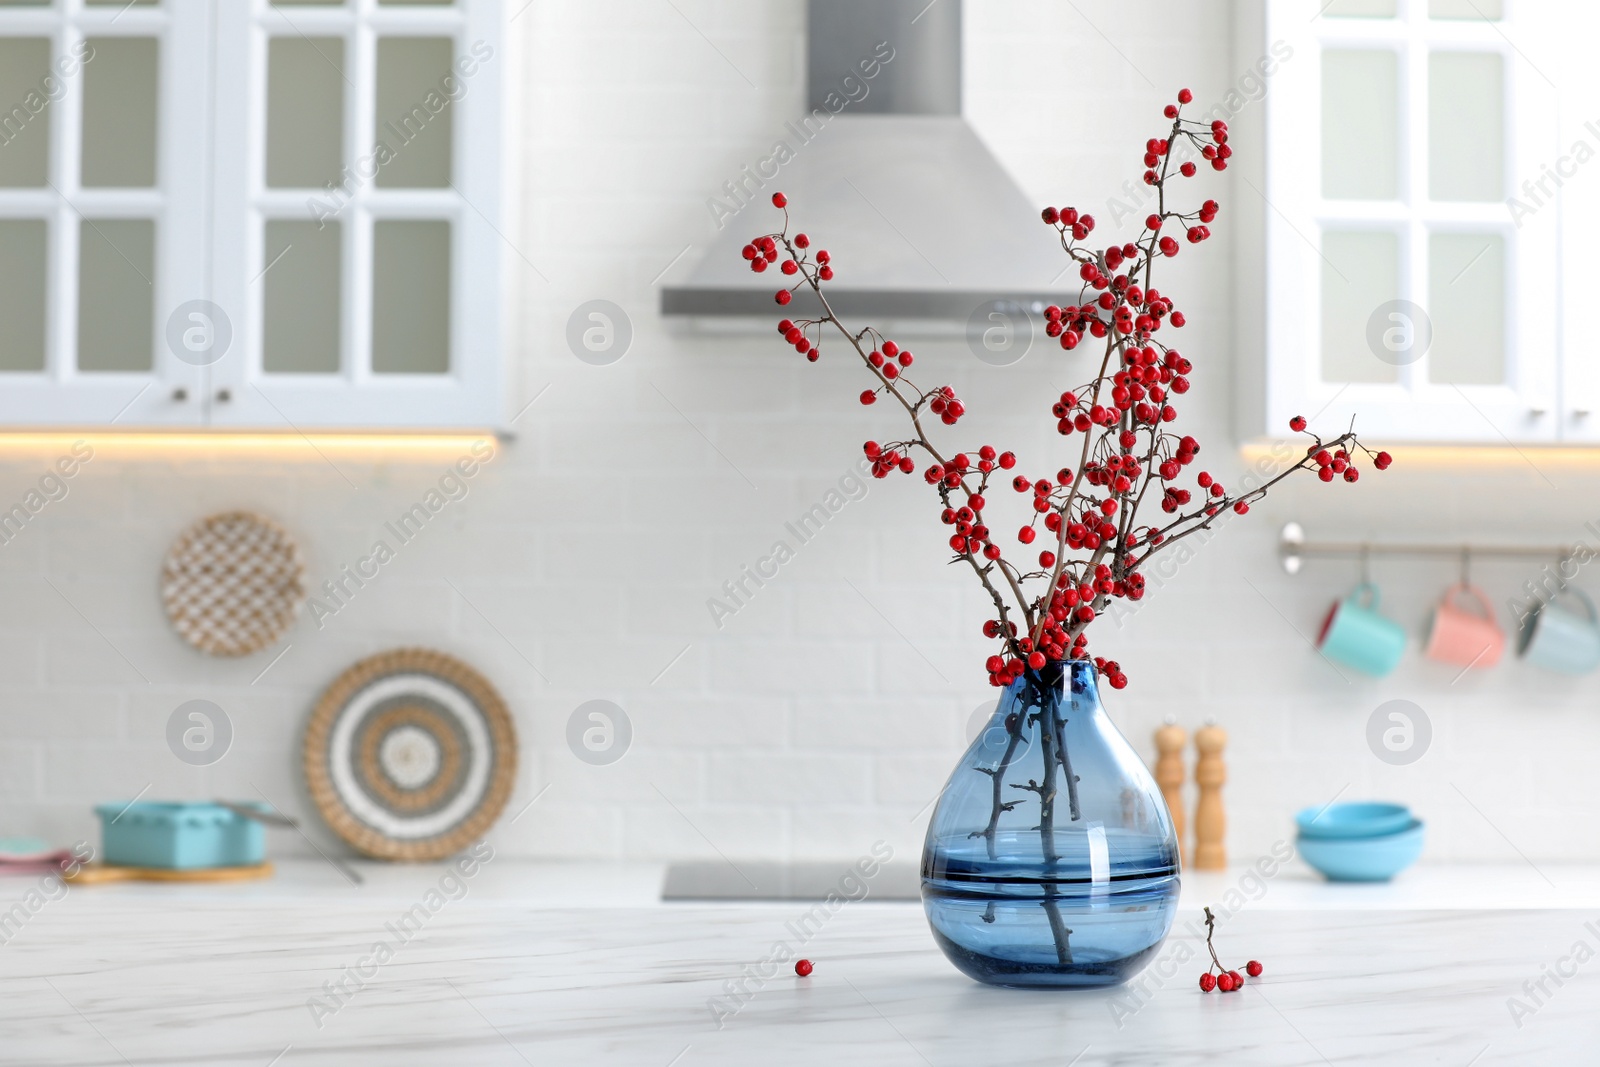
(1210, 823)
(1169, 774)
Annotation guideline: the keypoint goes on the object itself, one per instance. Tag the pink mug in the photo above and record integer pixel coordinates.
(1464, 638)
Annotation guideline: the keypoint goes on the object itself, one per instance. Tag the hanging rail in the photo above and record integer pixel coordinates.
(1293, 548)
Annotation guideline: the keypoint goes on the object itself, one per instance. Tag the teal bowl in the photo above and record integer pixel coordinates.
(1340, 821)
(1363, 859)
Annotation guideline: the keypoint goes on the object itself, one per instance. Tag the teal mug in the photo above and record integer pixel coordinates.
(1561, 640)
(1355, 634)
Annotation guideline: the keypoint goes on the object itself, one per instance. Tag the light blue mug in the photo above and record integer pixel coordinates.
(1561, 640)
(1355, 634)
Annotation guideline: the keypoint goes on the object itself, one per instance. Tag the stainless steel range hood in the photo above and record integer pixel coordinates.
(921, 220)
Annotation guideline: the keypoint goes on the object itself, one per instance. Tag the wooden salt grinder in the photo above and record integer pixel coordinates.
(1169, 774)
(1210, 823)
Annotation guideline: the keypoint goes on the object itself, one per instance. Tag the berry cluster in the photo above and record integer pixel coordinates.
(1094, 544)
(1219, 977)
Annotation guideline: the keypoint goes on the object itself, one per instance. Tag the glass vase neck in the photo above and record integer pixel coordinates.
(1078, 677)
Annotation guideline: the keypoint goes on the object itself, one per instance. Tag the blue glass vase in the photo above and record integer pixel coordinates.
(1051, 859)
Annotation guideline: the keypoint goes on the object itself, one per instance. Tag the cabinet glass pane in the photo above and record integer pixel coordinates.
(1466, 126)
(1360, 274)
(413, 110)
(1464, 9)
(1467, 302)
(26, 82)
(116, 298)
(305, 111)
(1370, 9)
(410, 297)
(1360, 125)
(119, 112)
(23, 261)
(300, 309)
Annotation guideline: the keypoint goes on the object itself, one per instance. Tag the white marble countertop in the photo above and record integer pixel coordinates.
(575, 964)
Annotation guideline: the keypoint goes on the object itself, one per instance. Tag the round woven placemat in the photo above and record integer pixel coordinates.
(410, 755)
(232, 583)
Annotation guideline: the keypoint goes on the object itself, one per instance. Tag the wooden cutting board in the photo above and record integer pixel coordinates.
(95, 873)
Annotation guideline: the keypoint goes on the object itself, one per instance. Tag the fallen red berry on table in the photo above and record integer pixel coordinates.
(1225, 980)
(802, 967)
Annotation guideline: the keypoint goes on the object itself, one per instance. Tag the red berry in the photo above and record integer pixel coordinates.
(1326, 474)
(1297, 423)
(1253, 968)
(1036, 660)
(1351, 474)
(782, 296)
(1225, 982)
(1026, 535)
(868, 396)
(1208, 982)
(1382, 461)
(802, 967)
(1238, 979)
(779, 200)
(1185, 96)
(1188, 170)
(1240, 507)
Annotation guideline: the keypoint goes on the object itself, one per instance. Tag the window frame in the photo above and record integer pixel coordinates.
(1525, 407)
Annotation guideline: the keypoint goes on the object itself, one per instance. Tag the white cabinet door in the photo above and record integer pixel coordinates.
(1573, 174)
(358, 207)
(103, 209)
(1402, 291)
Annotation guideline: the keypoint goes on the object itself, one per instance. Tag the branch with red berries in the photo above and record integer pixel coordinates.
(1217, 976)
(1089, 508)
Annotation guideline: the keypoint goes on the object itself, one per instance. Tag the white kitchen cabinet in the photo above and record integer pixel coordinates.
(269, 215)
(1402, 285)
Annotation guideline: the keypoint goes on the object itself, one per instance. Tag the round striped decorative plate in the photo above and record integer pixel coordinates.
(410, 755)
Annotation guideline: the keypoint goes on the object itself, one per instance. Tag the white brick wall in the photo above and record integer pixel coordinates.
(806, 726)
